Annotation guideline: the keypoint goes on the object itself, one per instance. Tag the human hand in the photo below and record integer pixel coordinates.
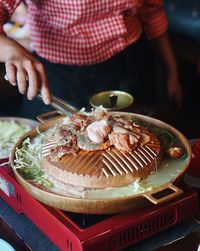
(22, 68)
(175, 92)
(164, 50)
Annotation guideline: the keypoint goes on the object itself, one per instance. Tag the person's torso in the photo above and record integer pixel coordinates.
(83, 31)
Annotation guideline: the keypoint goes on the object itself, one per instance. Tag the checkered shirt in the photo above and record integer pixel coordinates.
(83, 32)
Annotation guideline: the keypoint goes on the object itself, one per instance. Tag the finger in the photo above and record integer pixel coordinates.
(21, 80)
(45, 91)
(11, 73)
(33, 81)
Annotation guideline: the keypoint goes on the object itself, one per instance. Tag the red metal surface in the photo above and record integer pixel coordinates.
(113, 233)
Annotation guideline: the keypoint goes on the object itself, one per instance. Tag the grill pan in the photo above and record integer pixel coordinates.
(108, 205)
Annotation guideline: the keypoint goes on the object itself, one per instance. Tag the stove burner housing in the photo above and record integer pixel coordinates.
(77, 232)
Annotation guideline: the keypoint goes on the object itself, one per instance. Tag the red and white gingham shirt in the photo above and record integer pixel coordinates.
(80, 32)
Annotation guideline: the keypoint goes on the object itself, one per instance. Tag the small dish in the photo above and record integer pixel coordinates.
(5, 246)
(112, 100)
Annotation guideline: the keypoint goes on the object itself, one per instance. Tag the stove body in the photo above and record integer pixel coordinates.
(76, 232)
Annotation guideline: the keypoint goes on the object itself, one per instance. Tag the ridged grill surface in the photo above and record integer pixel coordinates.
(110, 162)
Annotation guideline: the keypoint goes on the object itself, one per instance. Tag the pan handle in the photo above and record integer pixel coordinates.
(62, 108)
(49, 115)
(163, 194)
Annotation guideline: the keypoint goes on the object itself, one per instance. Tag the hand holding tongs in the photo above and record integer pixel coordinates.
(58, 104)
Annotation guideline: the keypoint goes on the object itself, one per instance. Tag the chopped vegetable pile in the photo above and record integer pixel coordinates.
(10, 132)
(28, 162)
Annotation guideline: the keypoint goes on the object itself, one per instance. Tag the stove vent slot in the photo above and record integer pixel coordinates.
(19, 198)
(142, 230)
(69, 245)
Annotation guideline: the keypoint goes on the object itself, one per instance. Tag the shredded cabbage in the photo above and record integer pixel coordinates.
(10, 132)
(28, 160)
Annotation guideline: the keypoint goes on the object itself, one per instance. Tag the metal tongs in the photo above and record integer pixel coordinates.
(61, 105)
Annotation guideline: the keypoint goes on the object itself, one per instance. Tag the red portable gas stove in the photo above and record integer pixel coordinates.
(76, 232)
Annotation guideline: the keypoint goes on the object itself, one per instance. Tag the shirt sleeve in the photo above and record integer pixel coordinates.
(153, 18)
(7, 7)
